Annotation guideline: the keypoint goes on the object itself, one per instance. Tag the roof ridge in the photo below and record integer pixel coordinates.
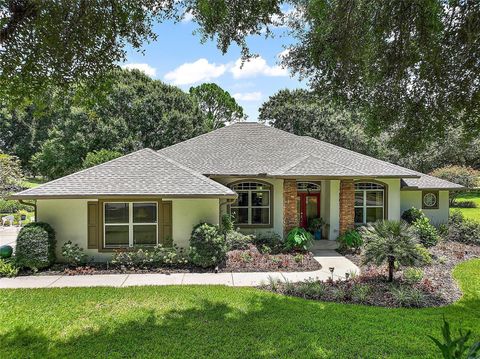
(83, 170)
(291, 164)
(193, 172)
(339, 164)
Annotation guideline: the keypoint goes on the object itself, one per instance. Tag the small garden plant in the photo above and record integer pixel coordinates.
(298, 239)
(73, 254)
(351, 239)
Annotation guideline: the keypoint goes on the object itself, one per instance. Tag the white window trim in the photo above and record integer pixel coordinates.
(130, 225)
(250, 207)
(364, 206)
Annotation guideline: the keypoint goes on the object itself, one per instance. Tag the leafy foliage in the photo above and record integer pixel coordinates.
(298, 239)
(35, 247)
(207, 246)
(412, 214)
(427, 234)
(8, 268)
(98, 157)
(73, 254)
(269, 242)
(159, 256)
(413, 275)
(465, 176)
(218, 106)
(351, 240)
(236, 240)
(456, 348)
(463, 230)
(11, 174)
(402, 63)
(390, 242)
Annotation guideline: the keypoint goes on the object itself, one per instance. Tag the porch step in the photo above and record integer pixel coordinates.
(324, 244)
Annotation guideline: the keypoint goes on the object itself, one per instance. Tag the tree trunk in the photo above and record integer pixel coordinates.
(391, 267)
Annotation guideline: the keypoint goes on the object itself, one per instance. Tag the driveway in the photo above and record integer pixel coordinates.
(8, 235)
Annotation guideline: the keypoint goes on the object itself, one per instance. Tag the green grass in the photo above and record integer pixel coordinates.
(220, 322)
(471, 213)
(32, 182)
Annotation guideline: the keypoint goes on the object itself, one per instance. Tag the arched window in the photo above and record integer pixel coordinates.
(369, 202)
(308, 187)
(253, 205)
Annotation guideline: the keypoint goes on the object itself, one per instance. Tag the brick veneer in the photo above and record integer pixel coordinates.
(347, 203)
(289, 205)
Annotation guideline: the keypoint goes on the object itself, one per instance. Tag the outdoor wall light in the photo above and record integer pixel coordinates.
(331, 269)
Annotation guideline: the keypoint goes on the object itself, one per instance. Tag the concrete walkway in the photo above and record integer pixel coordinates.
(8, 235)
(327, 258)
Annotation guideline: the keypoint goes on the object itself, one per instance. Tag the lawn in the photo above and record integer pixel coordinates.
(217, 322)
(471, 213)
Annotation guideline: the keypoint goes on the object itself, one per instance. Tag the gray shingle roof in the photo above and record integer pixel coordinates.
(250, 149)
(141, 173)
(428, 182)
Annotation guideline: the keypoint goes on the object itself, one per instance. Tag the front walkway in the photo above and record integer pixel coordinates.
(8, 235)
(328, 258)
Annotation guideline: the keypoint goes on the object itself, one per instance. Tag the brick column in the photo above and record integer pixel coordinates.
(347, 203)
(289, 205)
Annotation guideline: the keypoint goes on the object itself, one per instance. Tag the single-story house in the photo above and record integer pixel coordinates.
(268, 179)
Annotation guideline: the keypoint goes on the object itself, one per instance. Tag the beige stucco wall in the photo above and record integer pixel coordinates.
(186, 213)
(393, 198)
(69, 219)
(438, 216)
(277, 202)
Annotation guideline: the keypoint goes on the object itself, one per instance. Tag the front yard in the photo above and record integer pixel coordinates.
(470, 213)
(209, 321)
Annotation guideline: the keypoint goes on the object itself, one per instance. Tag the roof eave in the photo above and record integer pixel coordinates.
(127, 196)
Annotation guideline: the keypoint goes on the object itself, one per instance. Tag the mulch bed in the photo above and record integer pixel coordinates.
(436, 288)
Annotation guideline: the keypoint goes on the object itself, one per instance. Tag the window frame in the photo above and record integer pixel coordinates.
(130, 224)
(250, 207)
(364, 206)
(437, 197)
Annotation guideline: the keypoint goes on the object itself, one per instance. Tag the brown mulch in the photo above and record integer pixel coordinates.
(437, 278)
(252, 260)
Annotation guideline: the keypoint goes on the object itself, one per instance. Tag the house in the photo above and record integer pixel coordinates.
(270, 180)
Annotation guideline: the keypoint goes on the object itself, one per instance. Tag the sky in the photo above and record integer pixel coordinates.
(177, 57)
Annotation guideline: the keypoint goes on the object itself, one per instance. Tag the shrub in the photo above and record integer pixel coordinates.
(464, 204)
(407, 297)
(463, 230)
(360, 292)
(413, 214)
(227, 223)
(298, 239)
(311, 288)
(73, 254)
(207, 246)
(35, 247)
(413, 275)
(465, 176)
(8, 268)
(427, 234)
(456, 348)
(11, 206)
(390, 242)
(426, 257)
(270, 240)
(237, 240)
(147, 258)
(350, 240)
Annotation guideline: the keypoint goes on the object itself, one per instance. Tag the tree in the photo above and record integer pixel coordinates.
(464, 176)
(46, 43)
(218, 106)
(98, 157)
(390, 242)
(411, 67)
(11, 175)
(305, 113)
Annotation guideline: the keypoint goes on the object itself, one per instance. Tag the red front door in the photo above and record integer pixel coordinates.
(308, 207)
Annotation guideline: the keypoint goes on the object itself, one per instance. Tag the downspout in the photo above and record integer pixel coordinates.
(34, 205)
(224, 203)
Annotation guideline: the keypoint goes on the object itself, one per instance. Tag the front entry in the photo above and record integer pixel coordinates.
(308, 207)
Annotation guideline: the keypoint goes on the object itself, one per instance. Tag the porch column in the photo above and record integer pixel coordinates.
(289, 205)
(347, 205)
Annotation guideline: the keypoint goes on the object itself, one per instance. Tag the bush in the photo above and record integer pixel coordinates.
(463, 230)
(350, 240)
(12, 206)
(465, 176)
(464, 204)
(427, 234)
(298, 239)
(425, 256)
(407, 297)
(227, 223)
(149, 258)
(207, 246)
(73, 254)
(8, 268)
(35, 247)
(237, 240)
(361, 292)
(413, 214)
(413, 275)
(268, 242)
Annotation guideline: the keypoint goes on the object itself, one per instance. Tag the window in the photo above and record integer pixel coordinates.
(253, 204)
(129, 224)
(430, 200)
(369, 202)
(308, 187)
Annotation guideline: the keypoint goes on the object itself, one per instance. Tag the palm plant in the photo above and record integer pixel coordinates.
(390, 242)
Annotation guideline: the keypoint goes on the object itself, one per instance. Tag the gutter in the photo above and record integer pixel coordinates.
(224, 203)
(34, 205)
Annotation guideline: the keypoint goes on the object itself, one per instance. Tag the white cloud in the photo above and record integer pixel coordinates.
(146, 68)
(192, 72)
(248, 96)
(254, 67)
(187, 17)
(283, 53)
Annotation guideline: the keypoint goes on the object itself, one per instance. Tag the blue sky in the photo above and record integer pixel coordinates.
(178, 58)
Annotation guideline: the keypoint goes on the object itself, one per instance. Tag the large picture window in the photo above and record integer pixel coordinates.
(129, 224)
(253, 204)
(369, 202)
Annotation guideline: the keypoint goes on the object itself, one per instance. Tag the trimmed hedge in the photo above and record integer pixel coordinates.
(207, 246)
(35, 247)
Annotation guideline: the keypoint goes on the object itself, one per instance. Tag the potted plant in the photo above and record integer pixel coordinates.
(315, 226)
